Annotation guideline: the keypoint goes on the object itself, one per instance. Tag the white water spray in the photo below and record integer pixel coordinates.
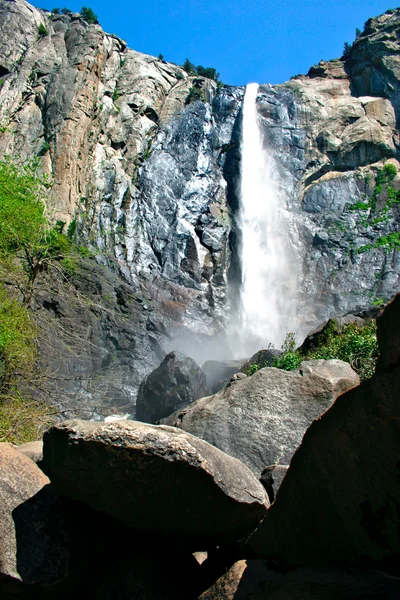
(267, 303)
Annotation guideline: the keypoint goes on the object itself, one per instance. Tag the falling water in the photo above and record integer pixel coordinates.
(267, 303)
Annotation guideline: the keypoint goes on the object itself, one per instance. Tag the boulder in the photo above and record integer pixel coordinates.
(154, 478)
(219, 372)
(271, 478)
(33, 450)
(340, 500)
(253, 580)
(177, 382)
(261, 419)
(35, 545)
(20, 480)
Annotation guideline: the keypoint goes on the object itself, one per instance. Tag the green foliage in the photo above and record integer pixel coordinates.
(346, 48)
(21, 420)
(24, 420)
(42, 31)
(189, 67)
(383, 183)
(208, 72)
(71, 229)
(28, 242)
(351, 343)
(115, 95)
(89, 16)
(358, 32)
(291, 358)
(66, 11)
(161, 56)
(195, 93)
(354, 344)
(17, 338)
(55, 11)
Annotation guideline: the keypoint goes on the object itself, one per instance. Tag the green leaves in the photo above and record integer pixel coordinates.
(351, 343)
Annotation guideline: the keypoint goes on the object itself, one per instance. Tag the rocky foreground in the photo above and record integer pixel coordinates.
(138, 511)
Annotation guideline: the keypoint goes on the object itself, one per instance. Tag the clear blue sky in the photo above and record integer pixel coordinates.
(260, 41)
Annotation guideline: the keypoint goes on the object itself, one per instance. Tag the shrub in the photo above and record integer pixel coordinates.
(28, 242)
(42, 31)
(55, 11)
(24, 420)
(351, 343)
(66, 11)
(89, 16)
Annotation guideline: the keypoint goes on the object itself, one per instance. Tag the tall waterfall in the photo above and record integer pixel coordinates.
(267, 302)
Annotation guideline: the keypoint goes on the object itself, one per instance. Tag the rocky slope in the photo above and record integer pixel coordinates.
(151, 184)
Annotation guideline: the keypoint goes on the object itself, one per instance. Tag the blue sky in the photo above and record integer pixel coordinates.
(246, 41)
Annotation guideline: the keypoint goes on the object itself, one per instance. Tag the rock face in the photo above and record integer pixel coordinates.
(261, 419)
(154, 478)
(343, 504)
(176, 383)
(152, 190)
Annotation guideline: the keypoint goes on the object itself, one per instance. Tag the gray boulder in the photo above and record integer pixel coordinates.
(177, 382)
(219, 372)
(154, 478)
(33, 450)
(261, 419)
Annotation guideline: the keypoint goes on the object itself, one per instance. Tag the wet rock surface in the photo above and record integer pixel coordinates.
(154, 478)
(261, 419)
(176, 383)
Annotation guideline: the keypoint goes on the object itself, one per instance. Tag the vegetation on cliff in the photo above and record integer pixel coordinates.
(29, 244)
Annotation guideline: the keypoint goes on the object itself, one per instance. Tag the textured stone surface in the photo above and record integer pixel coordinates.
(33, 450)
(340, 498)
(261, 419)
(20, 480)
(176, 383)
(271, 478)
(154, 478)
(253, 580)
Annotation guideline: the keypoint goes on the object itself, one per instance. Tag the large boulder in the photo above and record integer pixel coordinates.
(340, 500)
(20, 480)
(154, 478)
(177, 382)
(219, 372)
(33, 537)
(253, 580)
(261, 419)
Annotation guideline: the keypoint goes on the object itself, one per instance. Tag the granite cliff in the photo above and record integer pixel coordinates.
(150, 181)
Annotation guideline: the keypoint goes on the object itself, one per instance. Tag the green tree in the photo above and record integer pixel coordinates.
(89, 16)
(208, 72)
(189, 67)
(28, 242)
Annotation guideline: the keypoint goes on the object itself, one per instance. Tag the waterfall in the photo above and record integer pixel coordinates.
(268, 287)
